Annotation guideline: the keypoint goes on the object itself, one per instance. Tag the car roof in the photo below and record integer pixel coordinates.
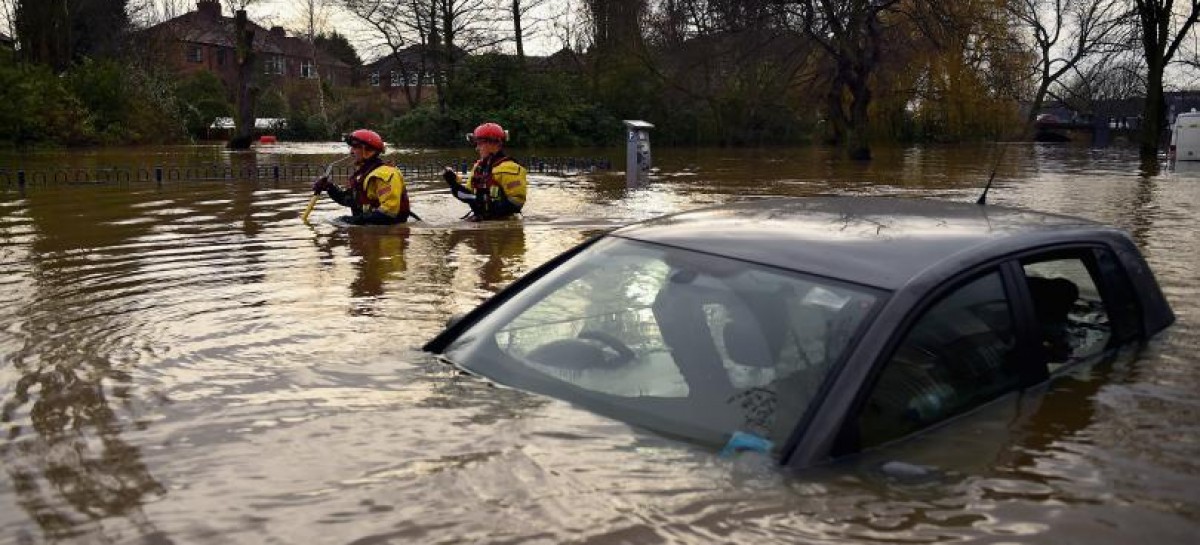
(876, 241)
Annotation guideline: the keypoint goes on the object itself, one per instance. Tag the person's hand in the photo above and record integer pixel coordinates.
(321, 184)
(449, 175)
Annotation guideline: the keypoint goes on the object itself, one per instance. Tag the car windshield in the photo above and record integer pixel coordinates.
(685, 343)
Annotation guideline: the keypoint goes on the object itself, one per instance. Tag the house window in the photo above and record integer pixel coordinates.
(396, 80)
(374, 79)
(220, 57)
(306, 70)
(195, 54)
(273, 65)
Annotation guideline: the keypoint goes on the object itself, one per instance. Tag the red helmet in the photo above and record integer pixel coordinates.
(488, 131)
(366, 138)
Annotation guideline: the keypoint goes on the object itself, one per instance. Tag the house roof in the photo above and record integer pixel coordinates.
(410, 56)
(202, 28)
(565, 59)
(299, 47)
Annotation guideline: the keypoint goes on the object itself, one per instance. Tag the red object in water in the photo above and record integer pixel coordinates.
(266, 139)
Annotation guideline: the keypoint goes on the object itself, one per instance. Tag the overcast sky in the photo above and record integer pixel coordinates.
(287, 13)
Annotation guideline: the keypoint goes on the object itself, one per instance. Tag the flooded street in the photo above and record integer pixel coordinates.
(188, 362)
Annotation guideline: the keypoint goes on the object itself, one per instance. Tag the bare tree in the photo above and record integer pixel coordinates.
(151, 12)
(397, 25)
(8, 10)
(1162, 26)
(247, 93)
(1109, 78)
(569, 27)
(237, 5)
(427, 37)
(464, 26)
(314, 15)
(522, 25)
(616, 24)
(1065, 33)
(850, 33)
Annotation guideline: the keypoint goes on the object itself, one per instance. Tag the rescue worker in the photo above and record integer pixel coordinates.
(497, 186)
(376, 194)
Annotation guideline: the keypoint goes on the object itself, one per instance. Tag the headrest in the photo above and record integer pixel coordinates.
(750, 342)
(1052, 297)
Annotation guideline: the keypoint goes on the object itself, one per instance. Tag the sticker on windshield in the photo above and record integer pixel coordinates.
(826, 298)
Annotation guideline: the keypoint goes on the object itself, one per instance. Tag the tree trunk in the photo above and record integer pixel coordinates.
(836, 135)
(312, 42)
(1159, 43)
(1039, 98)
(517, 33)
(858, 142)
(1153, 112)
(436, 40)
(243, 115)
(44, 32)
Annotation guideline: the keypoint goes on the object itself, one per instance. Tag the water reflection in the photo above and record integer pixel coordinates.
(72, 399)
(114, 298)
(75, 467)
(381, 258)
(492, 251)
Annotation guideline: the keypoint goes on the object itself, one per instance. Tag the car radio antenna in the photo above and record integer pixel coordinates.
(995, 166)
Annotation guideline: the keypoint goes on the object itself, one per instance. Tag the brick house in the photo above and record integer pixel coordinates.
(203, 40)
(410, 67)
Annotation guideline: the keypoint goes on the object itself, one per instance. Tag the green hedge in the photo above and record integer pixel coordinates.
(101, 102)
(538, 109)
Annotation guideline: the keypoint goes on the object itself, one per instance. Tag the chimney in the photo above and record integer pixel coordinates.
(278, 32)
(209, 8)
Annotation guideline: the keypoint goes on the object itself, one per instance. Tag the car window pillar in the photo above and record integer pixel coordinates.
(1029, 356)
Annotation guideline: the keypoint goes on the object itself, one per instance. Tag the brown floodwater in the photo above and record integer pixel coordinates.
(188, 362)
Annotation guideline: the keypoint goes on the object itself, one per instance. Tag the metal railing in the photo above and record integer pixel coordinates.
(21, 177)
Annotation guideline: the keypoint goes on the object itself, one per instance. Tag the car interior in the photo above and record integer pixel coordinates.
(720, 346)
(957, 356)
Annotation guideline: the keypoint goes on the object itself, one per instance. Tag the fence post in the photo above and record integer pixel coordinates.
(276, 172)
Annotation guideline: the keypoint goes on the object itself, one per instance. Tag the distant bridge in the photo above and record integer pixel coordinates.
(1100, 132)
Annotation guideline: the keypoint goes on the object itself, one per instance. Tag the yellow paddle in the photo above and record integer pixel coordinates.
(308, 209)
(312, 202)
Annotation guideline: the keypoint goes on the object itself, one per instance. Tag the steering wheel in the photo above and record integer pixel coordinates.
(624, 353)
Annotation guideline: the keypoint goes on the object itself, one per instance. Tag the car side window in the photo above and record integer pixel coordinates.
(1072, 320)
(956, 356)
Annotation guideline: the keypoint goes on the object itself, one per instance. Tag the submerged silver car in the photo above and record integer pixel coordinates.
(813, 328)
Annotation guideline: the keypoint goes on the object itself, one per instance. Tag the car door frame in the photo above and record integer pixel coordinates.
(1034, 370)
(1112, 297)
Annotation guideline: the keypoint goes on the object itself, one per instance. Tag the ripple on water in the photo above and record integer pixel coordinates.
(194, 348)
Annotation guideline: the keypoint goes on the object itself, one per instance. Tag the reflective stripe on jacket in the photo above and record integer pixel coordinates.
(382, 189)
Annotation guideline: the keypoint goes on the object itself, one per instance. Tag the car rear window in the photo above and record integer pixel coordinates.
(686, 343)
